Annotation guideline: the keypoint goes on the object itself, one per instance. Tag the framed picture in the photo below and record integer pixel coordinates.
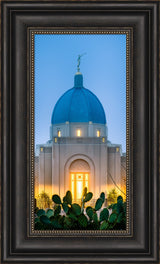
(78, 161)
(79, 131)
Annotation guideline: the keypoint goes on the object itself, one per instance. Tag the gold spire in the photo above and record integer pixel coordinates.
(79, 61)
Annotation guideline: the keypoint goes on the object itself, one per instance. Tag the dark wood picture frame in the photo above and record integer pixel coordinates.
(17, 246)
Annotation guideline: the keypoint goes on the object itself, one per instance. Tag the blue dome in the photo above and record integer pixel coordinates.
(78, 105)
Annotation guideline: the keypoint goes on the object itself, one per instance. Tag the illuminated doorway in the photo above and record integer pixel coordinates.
(79, 178)
(78, 182)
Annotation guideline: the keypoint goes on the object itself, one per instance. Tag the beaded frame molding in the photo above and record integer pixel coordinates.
(129, 89)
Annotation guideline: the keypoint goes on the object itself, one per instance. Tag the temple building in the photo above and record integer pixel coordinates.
(78, 153)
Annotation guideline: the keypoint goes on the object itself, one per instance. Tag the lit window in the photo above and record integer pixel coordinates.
(98, 133)
(55, 140)
(78, 182)
(79, 176)
(78, 132)
(103, 140)
(117, 149)
(86, 177)
(59, 133)
(41, 149)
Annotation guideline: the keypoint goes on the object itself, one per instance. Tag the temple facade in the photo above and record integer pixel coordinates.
(78, 153)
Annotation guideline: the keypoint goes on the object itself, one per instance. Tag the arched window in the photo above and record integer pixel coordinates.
(79, 178)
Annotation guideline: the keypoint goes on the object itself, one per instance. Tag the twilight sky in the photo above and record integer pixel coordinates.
(104, 73)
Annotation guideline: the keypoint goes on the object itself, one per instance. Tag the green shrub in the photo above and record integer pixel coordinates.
(112, 197)
(43, 201)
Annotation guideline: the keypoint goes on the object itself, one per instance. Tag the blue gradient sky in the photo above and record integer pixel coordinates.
(104, 73)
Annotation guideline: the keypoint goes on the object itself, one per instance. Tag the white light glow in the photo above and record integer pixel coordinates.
(78, 132)
(79, 189)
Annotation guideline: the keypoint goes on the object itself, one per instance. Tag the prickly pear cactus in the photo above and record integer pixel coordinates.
(66, 215)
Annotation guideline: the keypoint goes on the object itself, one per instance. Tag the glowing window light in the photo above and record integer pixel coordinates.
(79, 177)
(73, 189)
(78, 182)
(98, 133)
(86, 177)
(78, 132)
(103, 140)
(55, 140)
(41, 149)
(59, 133)
(117, 149)
(79, 189)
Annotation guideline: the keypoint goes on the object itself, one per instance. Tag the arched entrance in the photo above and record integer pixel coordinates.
(79, 172)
